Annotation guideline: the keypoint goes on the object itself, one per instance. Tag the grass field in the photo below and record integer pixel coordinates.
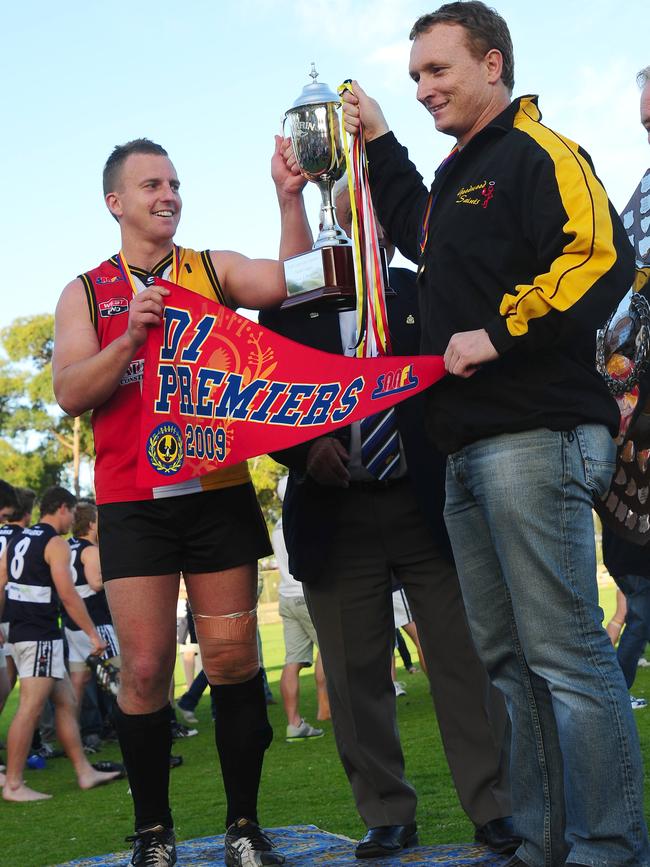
(302, 783)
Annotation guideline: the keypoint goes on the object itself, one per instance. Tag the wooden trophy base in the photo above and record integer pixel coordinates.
(321, 278)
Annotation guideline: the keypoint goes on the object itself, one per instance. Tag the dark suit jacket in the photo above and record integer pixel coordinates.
(310, 509)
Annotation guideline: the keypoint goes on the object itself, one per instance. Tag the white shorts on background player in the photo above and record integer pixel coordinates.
(39, 658)
(401, 609)
(79, 646)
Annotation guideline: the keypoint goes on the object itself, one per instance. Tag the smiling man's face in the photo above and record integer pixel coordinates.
(455, 85)
(146, 199)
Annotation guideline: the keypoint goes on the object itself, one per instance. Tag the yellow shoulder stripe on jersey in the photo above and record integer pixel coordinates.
(90, 298)
(210, 270)
(589, 252)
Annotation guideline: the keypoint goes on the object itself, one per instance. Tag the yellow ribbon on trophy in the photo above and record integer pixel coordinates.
(372, 318)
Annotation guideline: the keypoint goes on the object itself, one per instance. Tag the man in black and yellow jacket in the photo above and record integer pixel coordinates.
(521, 258)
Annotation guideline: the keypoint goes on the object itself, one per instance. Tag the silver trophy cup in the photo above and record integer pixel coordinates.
(327, 273)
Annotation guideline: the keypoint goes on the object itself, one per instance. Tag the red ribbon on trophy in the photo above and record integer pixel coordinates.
(219, 388)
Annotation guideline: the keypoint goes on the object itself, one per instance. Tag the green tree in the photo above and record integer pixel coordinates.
(40, 445)
(266, 474)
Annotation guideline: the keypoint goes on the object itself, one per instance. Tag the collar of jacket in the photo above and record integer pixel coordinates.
(502, 123)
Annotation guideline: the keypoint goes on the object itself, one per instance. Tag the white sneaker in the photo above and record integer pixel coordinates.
(400, 689)
(303, 731)
(643, 663)
(181, 731)
(638, 703)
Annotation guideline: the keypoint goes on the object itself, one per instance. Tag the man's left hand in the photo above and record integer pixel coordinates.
(467, 351)
(284, 169)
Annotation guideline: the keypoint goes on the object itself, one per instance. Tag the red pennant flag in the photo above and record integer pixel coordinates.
(218, 389)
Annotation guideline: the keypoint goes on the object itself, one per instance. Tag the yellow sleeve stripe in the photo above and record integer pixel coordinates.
(90, 298)
(210, 270)
(589, 253)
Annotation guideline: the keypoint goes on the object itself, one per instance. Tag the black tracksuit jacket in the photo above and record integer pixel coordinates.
(524, 243)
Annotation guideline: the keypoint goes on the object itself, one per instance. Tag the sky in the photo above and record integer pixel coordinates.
(211, 81)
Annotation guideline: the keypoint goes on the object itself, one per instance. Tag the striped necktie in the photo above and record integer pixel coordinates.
(380, 453)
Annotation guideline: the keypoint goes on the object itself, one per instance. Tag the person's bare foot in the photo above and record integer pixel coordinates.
(92, 778)
(22, 793)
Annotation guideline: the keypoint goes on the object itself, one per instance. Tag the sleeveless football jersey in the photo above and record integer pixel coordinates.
(34, 603)
(7, 532)
(96, 601)
(116, 422)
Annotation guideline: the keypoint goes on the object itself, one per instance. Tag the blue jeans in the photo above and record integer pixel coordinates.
(637, 623)
(190, 699)
(518, 512)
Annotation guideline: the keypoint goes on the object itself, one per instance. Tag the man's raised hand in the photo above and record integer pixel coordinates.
(358, 108)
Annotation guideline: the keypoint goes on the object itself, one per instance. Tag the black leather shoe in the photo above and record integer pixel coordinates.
(387, 840)
(499, 836)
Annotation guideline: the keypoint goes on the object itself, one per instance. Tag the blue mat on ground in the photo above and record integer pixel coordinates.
(307, 845)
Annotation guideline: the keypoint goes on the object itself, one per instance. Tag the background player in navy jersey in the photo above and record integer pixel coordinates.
(212, 530)
(8, 503)
(17, 519)
(8, 506)
(36, 570)
(88, 584)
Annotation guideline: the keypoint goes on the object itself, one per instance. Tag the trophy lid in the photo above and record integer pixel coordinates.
(315, 93)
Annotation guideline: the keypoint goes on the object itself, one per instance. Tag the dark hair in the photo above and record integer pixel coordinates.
(643, 77)
(25, 498)
(8, 498)
(85, 514)
(485, 29)
(119, 156)
(54, 498)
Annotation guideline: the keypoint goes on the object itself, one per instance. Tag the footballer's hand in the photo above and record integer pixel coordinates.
(146, 311)
(285, 172)
(98, 644)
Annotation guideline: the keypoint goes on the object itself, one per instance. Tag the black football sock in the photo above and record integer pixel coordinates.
(242, 734)
(146, 744)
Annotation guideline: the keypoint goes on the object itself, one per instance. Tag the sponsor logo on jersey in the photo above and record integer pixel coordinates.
(113, 307)
(102, 281)
(133, 373)
(165, 448)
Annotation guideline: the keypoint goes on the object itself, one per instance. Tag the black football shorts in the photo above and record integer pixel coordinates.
(207, 531)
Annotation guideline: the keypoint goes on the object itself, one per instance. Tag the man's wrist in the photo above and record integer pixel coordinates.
(377, 133)
(290, 200)
(126, 344)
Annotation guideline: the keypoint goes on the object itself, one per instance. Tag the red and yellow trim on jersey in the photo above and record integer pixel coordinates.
(589, 251)
(113, 422)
